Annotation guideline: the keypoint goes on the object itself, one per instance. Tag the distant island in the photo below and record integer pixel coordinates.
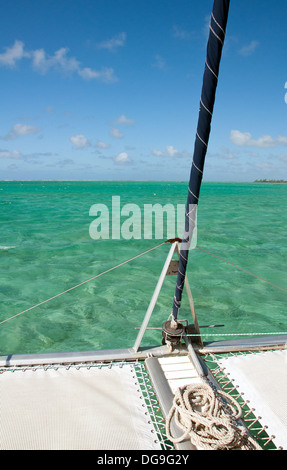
(270, 181)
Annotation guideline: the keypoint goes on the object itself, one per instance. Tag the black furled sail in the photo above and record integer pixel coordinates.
(214, 49)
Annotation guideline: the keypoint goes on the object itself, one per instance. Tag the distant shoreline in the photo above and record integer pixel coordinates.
(137, 181)
(270, 181)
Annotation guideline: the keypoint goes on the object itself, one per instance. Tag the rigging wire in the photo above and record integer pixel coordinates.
(244, 270)
(81, 283)
(127, 261)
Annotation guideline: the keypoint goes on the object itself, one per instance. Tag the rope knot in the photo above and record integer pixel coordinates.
(208, 419)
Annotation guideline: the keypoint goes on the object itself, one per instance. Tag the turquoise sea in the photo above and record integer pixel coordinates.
(46, 248)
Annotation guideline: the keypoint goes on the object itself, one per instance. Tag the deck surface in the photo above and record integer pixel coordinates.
(179, 371)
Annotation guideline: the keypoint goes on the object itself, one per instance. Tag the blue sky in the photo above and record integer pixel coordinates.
(110, 89)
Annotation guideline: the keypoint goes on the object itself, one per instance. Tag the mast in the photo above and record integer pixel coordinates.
(210, 78)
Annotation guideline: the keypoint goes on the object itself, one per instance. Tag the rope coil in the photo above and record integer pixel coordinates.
(208, 419)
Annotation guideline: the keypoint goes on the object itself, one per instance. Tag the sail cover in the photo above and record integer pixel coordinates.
(214, 49)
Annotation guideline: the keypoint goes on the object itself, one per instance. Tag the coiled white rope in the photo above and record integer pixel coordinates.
(208, 420)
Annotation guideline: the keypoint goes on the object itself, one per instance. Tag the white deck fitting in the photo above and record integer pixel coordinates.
(262, 377)
(179, 371)
(167, 374)
(75, 408)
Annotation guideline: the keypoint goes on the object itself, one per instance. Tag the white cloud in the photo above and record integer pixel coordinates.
(158, 153)
(43, 63)
(171, 152)
(180, 33)
(12, 54)
(240, 138)
(105, 74)
(101, 145)
(19, 130)
(122, 158)
(80, 141)
(206, 26)
(59, 61)
(266, 141)
(249, 49)
(116, 133)
(225, 154)
(160, 62)
(266, 166)
(123, 120)
(13, 154)
(113, 43)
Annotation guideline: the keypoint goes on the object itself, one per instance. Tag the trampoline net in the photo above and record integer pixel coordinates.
(79, 406)
(258, 381)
